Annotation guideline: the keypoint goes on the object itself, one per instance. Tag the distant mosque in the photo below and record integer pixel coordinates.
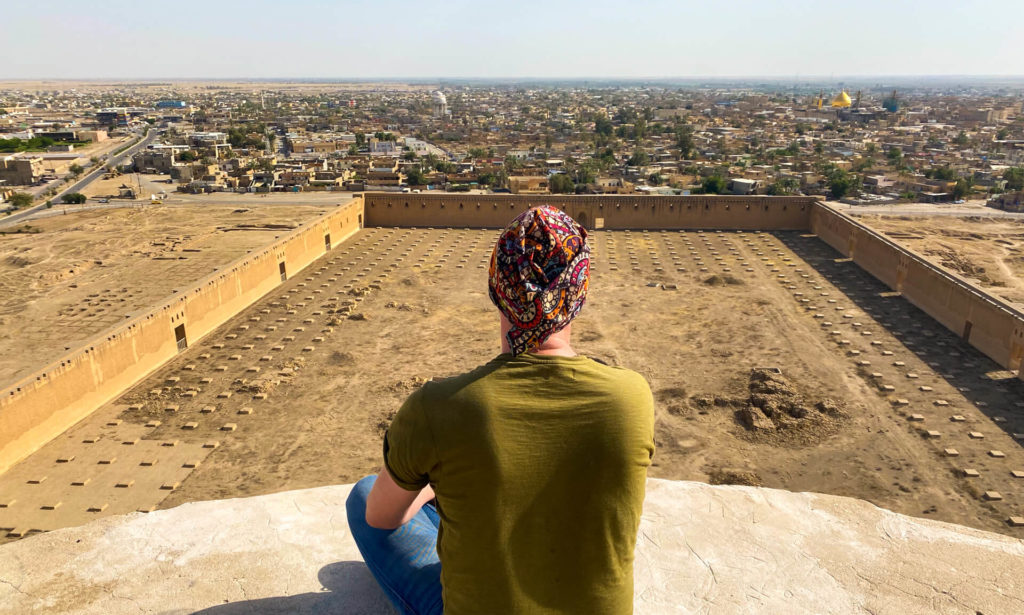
(841, 100)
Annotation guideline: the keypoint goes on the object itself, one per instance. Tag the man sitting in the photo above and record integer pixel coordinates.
(516, 487)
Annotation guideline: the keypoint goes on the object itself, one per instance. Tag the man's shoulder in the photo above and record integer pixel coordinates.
(495, 373)
(621, 381)
(447, 386)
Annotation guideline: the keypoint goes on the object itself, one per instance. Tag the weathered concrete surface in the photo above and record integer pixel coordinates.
(702, 549)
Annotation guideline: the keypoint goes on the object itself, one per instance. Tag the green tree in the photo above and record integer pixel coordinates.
(1002, 134)
(864, 164)
(74, 198)
(684, 141)
(237, 137)
(21, 199)
(513, 164)
(603, 126)
(941, 173)
(714, 184)
(655, 179)
(586, 173)
(353, 150)
(606, 158)
(415, 176)
(638, 159)
(783, 187)
(560, 183)
(487, 179)
(871, 149)
(961, 139)
(640, 128)
(75, 170)
(894, 155)
(410, 156)
(961, 189)
(188, 156)
(840, 182)
(1014, 177)
(476, 153)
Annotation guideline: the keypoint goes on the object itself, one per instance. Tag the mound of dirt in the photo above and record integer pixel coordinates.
(958, 262)
(342, 358)
(401, 307)
(243, 385)
(722, 280)
(776, 412)
(727, 476)
(18, 261)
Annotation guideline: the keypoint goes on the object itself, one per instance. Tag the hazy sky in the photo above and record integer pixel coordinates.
(526, 38)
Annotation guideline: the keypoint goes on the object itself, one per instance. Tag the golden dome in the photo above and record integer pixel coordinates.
(842, 99)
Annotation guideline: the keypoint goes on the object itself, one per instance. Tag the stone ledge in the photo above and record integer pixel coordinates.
(703, 549)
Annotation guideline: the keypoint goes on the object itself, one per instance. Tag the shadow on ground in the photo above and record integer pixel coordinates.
(983, 382)
(348, 588)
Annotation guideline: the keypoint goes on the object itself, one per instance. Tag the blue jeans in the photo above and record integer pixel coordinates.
(404, 561)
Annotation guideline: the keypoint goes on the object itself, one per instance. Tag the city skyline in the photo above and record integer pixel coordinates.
(654, 39)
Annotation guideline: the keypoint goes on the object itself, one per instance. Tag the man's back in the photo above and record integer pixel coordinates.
(538, 464)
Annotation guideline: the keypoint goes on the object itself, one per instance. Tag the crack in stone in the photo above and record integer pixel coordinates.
(16, 588)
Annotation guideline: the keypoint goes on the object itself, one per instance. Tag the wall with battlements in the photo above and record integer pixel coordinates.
(593, 212)
(43, 405)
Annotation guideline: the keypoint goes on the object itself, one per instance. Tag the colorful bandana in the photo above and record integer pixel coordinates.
(540, 270)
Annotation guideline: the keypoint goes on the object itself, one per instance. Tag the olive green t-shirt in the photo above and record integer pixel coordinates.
(539, 465)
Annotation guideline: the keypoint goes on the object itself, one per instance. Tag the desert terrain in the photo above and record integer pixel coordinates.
(66, 278)
(772, 360)
(986, 251)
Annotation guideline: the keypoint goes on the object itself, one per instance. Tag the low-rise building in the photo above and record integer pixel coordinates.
(21, 171)
(528, 184)
(153, 161)
(1009, 201)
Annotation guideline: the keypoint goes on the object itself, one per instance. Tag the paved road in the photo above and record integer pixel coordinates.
(91, 176)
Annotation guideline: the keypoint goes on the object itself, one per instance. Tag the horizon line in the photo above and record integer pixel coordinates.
(407, 79)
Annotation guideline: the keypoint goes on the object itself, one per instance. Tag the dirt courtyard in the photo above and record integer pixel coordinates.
(773, 362)
(74, 276)
(986, 251)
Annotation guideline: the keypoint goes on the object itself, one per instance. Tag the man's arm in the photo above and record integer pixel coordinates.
(389, 506)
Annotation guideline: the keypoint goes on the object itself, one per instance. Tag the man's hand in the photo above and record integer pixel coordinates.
(389, 506)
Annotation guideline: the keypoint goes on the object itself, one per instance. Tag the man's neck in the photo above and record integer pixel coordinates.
(556, 345)
(555, 348)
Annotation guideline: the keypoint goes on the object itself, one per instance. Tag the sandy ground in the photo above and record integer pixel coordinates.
(772, 360)
(986, 251)
(84, 272)
(143, 184)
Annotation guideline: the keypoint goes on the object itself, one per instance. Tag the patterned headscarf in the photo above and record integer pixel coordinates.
(540, 270)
